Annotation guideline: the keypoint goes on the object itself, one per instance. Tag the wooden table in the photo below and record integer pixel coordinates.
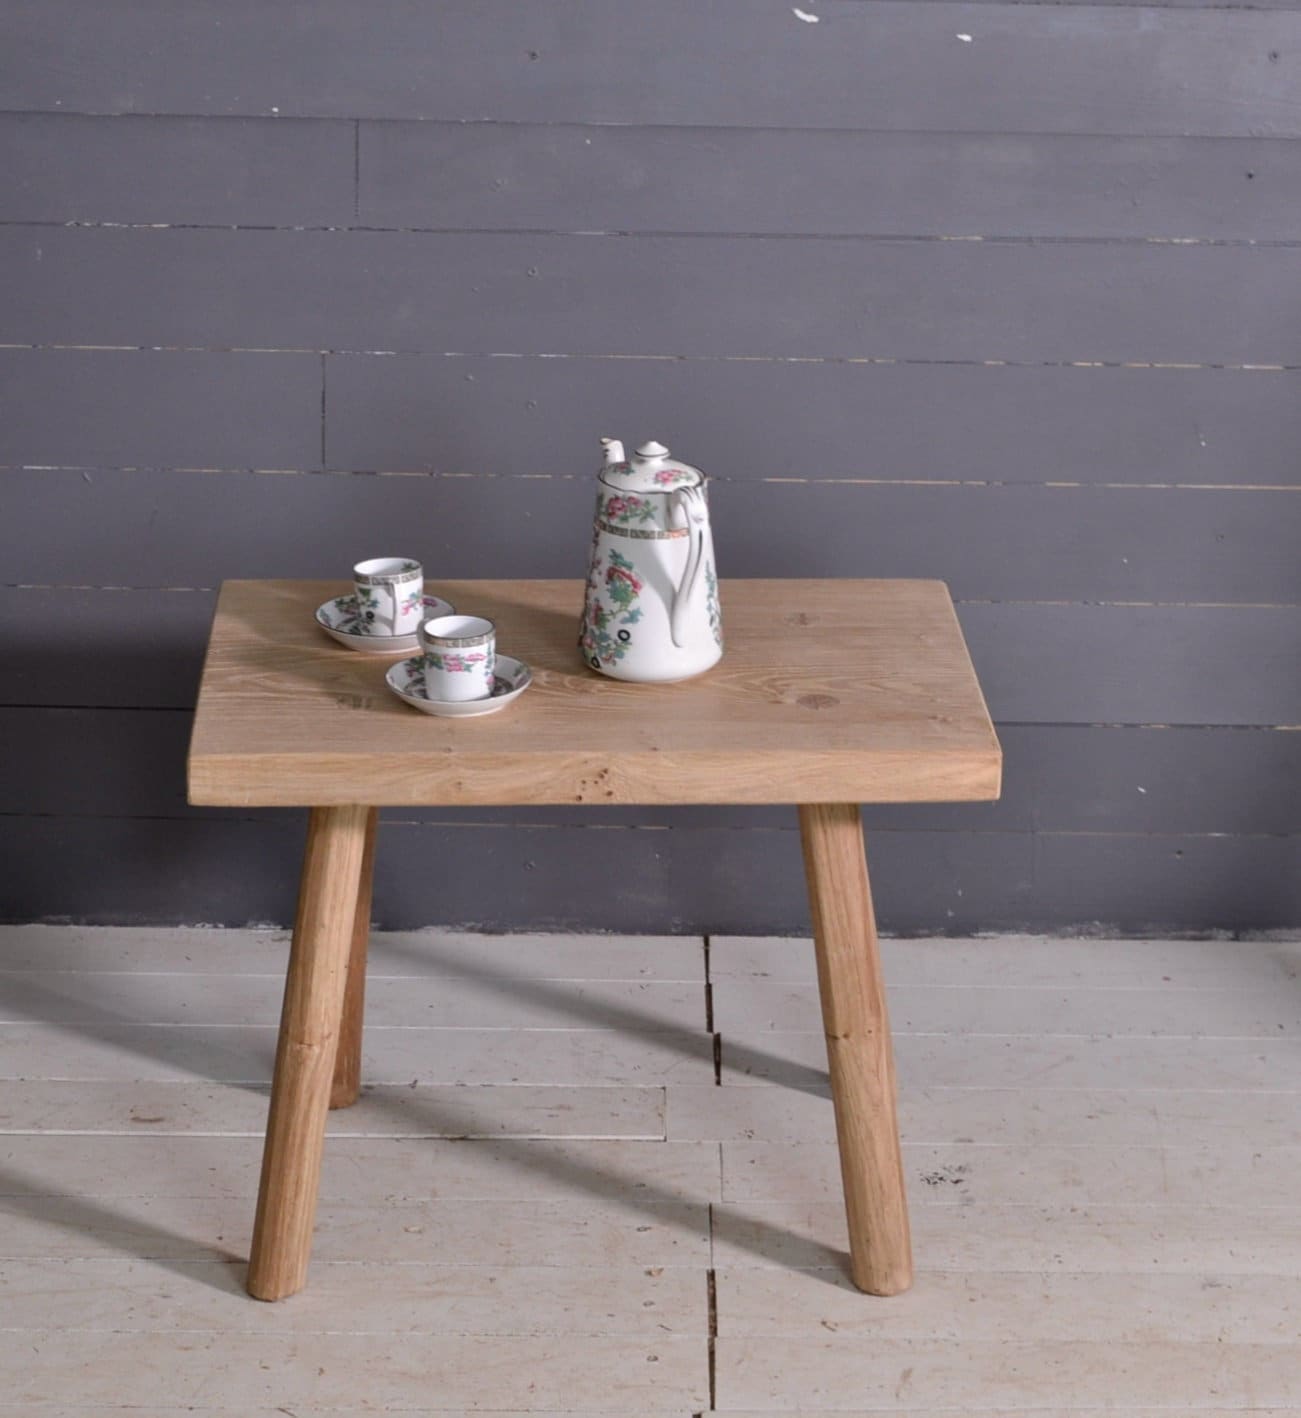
(831, 694)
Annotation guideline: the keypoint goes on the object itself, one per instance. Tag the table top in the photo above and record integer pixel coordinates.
(829, 691)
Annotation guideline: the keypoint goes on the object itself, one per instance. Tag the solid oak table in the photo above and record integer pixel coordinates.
(831, 694)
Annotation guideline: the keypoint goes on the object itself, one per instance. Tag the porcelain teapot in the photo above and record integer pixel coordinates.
(651, 610)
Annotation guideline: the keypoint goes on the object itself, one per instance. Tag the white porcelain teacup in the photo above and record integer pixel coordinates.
(460, 656)
(390, 591)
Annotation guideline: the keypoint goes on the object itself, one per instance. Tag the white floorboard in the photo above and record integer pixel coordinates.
(548, 1201)
(231, 1110)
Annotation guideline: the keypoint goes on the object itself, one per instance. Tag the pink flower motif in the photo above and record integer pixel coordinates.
(616, 573)
(615, 506)
(665, 476)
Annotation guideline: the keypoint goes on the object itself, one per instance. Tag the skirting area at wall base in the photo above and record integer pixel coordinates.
(711, 879)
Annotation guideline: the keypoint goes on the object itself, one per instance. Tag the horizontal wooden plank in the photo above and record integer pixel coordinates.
(414, 413)
(119, 1051)
(1028, 68)
(150, 408)
(115, 1049)
(1154, 780)
(826, 1372)
(414, 1300)
(998, 1011)
(1111, 1239)
(695, 1112)
(489, 999)
(1151, 664)
(572, 177)
(1050, 1309)
(80, 1411)
(329, 1371)
(1034, 962)
(435, 954)
(991, 1412)
(62, 167)
(225, 1110)
(1063, 778)
(358, 1169)
(255, 1412)
(1091, 543)
(688, 880)
(131, 649)
(1099, 1117)
(764, 1057)
(661, 295)
(1042, 961)
(485, 999)
(1006, 1175)
(1205, 878)
(584, 1230)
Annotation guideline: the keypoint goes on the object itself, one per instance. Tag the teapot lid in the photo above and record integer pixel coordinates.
(650, 469)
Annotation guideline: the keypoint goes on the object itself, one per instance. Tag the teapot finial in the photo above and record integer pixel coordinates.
(613, 451)
(652, 450)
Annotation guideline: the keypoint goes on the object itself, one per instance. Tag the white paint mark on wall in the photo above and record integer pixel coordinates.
(965, 38)
(805, 16)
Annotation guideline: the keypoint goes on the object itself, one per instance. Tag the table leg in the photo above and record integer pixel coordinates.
(309, 1028)
(347, 1058)
(859, 1049)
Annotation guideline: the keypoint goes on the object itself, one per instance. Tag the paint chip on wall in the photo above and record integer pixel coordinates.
(805, 16)
(965, 38)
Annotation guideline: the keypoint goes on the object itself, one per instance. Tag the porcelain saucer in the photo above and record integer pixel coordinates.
(338, 618)
(407, 680)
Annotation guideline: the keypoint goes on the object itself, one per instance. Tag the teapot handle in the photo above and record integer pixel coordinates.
(692, 501)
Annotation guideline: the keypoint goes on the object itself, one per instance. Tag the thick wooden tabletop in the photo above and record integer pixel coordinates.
(829, 691)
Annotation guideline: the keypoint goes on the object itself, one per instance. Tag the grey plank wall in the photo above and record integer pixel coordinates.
(287, 281)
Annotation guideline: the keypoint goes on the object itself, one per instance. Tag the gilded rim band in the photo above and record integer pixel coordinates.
(456, 642)
(641, 533)
(386, 578)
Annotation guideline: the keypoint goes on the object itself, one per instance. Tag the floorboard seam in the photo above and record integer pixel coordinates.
(712, 1285)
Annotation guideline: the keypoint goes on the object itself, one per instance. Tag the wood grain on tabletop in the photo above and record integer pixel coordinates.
(830, 691)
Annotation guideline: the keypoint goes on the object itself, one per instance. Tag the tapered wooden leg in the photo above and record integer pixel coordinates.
(309, 1031)
(859, 1049)
(347, 1057)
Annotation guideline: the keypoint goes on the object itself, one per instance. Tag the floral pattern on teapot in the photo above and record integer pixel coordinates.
(607, 628)
(626, 509)
(711, 601)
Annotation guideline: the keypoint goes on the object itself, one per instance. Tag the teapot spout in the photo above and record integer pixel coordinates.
(613, 451)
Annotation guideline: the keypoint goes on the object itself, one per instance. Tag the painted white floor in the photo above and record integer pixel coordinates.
(599, 1175)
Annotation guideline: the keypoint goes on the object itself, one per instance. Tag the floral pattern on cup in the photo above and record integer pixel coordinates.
(460, 657)
(458, 662)
(390, 591)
